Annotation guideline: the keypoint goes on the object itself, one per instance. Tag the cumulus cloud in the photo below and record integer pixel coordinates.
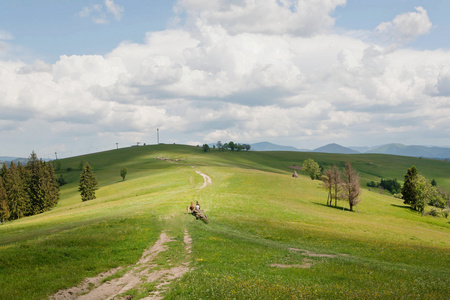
(209, 81)
(297, 17)
(99, 14)
(406, 27)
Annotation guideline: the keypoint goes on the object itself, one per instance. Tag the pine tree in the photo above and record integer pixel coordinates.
(409, 189)
(4, 210)
(42, 185)
(16, 195)
(88, 183)
(35, 178)
(123, 173)
(50, 186)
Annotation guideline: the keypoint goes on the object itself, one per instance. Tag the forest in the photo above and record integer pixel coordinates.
(27, 190)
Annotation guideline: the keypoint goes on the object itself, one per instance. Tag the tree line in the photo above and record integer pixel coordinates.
(417, 191)
(227, 146)
(26, 190)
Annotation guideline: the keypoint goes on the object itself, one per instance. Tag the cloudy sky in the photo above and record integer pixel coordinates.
(80, 76)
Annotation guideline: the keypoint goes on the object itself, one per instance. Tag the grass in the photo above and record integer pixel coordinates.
(257, 213)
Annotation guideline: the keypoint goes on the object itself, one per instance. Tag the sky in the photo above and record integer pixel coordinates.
(85, 76)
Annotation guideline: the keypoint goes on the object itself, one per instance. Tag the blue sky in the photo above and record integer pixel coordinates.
(80, 76)
(47, 29)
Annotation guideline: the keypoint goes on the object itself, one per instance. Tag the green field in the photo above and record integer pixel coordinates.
(270, 235)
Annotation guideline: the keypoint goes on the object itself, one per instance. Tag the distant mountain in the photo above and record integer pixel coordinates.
(266, 146)
(414, 150)
(362, 149)
(335, 148)
(9, 159)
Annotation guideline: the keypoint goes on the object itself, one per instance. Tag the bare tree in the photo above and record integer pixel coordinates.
(326, 184)
(336, 182)
(332, 183)
(351, 189)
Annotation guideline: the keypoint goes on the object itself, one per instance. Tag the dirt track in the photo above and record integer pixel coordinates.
(143, 272)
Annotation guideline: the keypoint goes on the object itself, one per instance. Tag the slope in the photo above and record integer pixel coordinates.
(270, 235)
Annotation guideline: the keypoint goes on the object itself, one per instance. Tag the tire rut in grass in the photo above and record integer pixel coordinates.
(145, 271)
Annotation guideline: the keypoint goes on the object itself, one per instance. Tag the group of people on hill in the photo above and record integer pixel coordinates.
(192, 207)
(195, 211)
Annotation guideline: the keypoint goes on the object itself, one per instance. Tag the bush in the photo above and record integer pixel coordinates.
(398, 195)
(61, 180)
(445, 213)
(433, 212)
(391, 185)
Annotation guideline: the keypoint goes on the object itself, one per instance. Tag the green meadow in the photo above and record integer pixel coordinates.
(270, 236)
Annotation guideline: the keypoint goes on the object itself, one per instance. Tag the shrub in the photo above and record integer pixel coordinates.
(433, 212)
(398, 195)
(445, 213)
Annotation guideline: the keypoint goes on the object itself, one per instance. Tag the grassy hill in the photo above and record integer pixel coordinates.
(270, 235)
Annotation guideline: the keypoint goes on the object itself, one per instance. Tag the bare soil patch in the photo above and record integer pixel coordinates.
(311, 254)
(306, 265)
(206, 179)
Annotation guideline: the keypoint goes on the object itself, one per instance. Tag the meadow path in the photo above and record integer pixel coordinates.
(115, 283)
(206, 179)
(135, 276)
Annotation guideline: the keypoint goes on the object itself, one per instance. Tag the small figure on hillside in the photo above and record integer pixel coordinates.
(197, 206)
(295, 175)
(191, 207)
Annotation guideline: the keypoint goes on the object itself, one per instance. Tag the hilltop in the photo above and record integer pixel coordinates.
(270, 235)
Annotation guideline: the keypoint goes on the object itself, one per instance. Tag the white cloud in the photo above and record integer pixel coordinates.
(99, 14)
(406, 27)
(299, 17)
(115, 9)
(208, 81)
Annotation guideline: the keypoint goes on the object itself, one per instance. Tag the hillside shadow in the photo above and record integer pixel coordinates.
(403, 206)
(335, 207)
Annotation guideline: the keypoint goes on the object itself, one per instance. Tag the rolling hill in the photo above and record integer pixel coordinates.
(266, 146)
(415, 151)
(335, 148)
(270, 235)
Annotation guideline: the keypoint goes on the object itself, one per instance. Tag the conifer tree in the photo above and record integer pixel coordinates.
(35, 177)
(50, 186)
(4, 210)
(123, 173)
(17, 197)
(23, 174)
(88, 183)
(409, 189)
(42, 185)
